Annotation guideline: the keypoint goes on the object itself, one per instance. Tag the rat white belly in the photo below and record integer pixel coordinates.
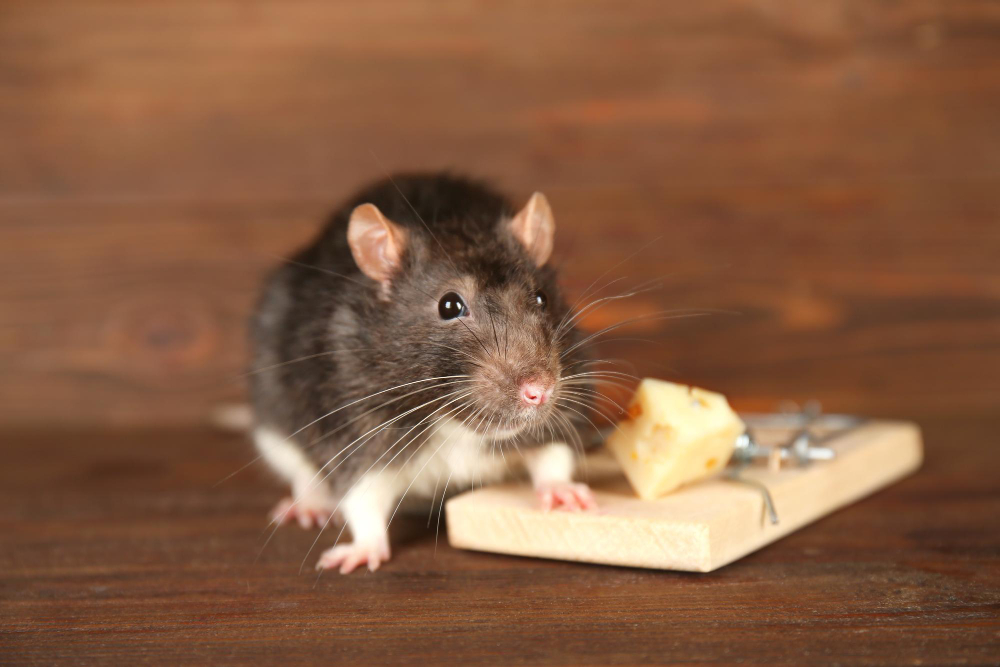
(454, 456)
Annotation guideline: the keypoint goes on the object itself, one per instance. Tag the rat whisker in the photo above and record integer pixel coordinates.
(553, 435)
(417, 474)
(314, 482)
(493, 445)
(626, 385)
(478, 470)
(299, 360)
(437, 528)
(489, 311)
(295, 262)
(663, 315)
(496, 432)
(583, 296)
(314, 442)
(444, 493)
(481, 344)
(597, 304)
(625, 378)
(506, 339)
(593, 384)
(610, 421)
(590, 401)
(573, 435)
(592, 387)
(616, 361)
(600, 373)
(625, 389)
(595, 395)
(368, 285)
(586, 406)
(470, 358)
(363, 439)
(379, 407)
(412, 208)
(354, 402)
(382, 426)
(570, 430)
(365, 473)
(642, 318)
(493, 439)
(618, 383)
(353, 486)
(414, 453)
(634, 254)
(619, 339)
(430, 511)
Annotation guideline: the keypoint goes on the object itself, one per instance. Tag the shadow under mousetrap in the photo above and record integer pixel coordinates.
(787, 471)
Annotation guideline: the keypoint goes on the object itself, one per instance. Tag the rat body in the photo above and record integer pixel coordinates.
(419, 342)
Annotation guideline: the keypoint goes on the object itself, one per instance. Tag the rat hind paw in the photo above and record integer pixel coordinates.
(570, 496)
(348, 556)
(309, 512)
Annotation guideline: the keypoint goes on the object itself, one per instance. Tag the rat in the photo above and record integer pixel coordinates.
(420, 336)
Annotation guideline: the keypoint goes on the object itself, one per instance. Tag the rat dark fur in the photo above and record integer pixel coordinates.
(420, 341)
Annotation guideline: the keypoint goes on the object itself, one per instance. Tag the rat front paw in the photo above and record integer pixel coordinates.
(348, 556)
(311, 511)
(570, 496)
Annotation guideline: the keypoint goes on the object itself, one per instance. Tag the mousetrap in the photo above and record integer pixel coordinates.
(786, 472)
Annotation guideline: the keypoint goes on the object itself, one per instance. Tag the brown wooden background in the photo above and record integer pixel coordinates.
(830, 170)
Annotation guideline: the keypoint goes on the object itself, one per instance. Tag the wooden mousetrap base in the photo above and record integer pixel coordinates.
(697, 528)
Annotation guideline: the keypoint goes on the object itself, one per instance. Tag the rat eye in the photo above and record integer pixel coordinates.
(540, 299)
(451, 306)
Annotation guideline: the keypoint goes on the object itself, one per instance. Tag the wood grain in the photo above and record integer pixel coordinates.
(118, 548)
(829, 171)
(831, 174)
(697, 528)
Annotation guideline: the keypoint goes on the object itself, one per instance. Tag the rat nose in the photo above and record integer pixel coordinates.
(535, 392)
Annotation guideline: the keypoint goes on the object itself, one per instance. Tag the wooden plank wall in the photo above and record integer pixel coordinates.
(829, 170)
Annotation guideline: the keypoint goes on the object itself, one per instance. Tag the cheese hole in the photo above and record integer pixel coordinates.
(697, 401)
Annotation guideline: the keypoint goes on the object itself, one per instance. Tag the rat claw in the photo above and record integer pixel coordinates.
(586, 497)
(347, 557)
(567, 496)
(568, 501)
(351, 563)
(282, 512)
(310, 511)
(546, 499)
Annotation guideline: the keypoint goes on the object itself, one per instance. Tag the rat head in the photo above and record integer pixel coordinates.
(470, 300)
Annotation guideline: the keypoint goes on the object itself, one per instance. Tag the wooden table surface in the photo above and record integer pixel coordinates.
(118, 547)
(826, 172)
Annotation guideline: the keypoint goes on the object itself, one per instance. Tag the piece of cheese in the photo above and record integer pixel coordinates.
(674, 434)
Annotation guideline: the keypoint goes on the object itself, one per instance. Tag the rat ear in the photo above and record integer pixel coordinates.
(535, 228)
(376, 242)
